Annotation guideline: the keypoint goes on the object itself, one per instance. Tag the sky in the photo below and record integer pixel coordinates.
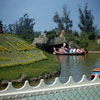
(43, 11)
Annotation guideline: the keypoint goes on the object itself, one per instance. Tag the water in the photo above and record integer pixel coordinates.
(77, 66)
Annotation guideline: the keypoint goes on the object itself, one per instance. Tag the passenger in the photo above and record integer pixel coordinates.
(71, 50)
(64, 48)
(54, 50)
(78, 50)
(61, 51)
(82, 50)
(74, 50)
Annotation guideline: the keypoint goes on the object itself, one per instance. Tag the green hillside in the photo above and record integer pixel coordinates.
(15, 51)
(17, 57)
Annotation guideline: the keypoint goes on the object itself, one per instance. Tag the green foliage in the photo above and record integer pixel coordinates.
(64, 22)
(93, 46)
(88, 41)
(71, 37)
(24, 27)
(83, 35)
(51, 34)
(75, 33)
(86, 20)
(92, 36)
(84, 43)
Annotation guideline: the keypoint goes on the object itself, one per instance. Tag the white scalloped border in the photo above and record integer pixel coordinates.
(10, 91)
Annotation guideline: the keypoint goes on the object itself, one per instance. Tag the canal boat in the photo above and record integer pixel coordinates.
(94, 72)
(67, 53)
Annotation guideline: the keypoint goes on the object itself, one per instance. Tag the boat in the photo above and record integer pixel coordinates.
(94, 72)
(67, 53)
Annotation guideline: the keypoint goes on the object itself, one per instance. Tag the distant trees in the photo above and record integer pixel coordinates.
(86, 20)
(24, 27)
(1, 26)
(5, 28)
(64, 22)
(87, 23)
(51, 34)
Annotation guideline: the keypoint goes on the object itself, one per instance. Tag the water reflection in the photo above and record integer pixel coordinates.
(77, 66)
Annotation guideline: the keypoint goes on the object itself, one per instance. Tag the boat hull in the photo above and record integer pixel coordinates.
(94, 72)
(57, 53)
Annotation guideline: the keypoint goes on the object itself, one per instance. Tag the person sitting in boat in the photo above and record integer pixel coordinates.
(62, 51)
(64, 47)
(71, 50)
(54, 50)
(78, 50)
(74, 50)
(82, 50)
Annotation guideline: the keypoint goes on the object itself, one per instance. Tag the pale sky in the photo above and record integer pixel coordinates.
(43, 11)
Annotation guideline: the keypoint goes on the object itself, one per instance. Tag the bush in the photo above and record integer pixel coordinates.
(84, 42)
(4, 49)
(4, 59)
(92, 36)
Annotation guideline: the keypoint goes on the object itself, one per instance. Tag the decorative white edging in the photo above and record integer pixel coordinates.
(41, 88)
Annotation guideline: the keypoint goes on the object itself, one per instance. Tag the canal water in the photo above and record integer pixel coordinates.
(76, 66)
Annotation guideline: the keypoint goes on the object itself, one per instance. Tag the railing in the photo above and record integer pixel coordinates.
(42, 88)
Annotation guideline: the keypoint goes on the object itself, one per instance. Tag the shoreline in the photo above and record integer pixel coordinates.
(24, 77)
(94, 52)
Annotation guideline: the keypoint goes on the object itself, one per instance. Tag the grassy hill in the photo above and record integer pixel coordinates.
(17, 57)
(14, 51)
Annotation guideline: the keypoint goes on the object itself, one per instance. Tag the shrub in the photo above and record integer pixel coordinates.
(43, 57)
(4, 59)
(4, 49)
(22, 46)
(92, 36)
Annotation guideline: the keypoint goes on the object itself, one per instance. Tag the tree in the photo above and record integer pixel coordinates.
(5, 28)
(0, 21)
(51, 34)
(11, 28)
(25, 25)
(63, 22)
(86, 20)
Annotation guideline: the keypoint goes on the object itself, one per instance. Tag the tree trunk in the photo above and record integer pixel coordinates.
(1, 31)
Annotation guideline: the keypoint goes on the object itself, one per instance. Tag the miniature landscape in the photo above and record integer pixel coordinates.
(18, 57)
(49, 50)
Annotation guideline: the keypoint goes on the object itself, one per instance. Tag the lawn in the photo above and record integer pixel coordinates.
(32, 70)
(17, 57)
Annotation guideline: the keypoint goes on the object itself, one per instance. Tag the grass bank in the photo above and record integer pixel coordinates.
(32, 70)
(18, 57)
